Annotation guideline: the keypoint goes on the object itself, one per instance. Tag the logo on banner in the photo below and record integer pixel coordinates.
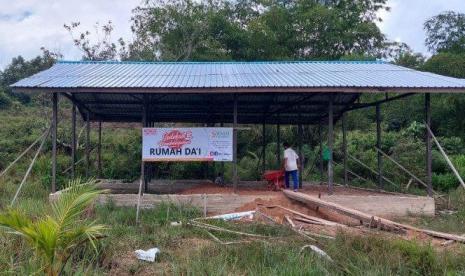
(176, 139)
(150, 131)
(219, 134)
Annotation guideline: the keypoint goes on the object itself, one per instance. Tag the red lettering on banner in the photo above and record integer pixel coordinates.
(175, 139)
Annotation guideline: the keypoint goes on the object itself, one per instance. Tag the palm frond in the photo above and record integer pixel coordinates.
(73, 202)
(54, 237)
(16, 222)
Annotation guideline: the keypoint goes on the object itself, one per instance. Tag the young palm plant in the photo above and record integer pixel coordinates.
(55, 236)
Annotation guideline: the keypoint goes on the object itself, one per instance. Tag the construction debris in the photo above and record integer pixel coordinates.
(317, 250)
(234, 216)
(370, 220)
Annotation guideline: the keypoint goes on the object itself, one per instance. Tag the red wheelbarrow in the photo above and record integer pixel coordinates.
(275, 179)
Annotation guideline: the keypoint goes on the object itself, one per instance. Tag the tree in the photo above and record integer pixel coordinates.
(104, 48)
(255, 29)
(410, 60)
(20, 68)
(446, 32)
(55, 237)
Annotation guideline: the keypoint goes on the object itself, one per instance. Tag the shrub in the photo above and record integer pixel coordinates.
(54, 237)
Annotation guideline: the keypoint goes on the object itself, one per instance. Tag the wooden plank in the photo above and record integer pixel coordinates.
(367, 218)
(288, 219)
(327, 222)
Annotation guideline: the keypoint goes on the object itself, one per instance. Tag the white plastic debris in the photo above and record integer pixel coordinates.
(148, 255)
(233, 216)
(318, 251)
(176, 223)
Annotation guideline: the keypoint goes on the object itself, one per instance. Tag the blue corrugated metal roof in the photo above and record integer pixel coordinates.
(286, 74)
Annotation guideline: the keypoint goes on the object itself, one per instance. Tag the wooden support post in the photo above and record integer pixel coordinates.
(54, 139)
(330, 144)
(263, 146)
(235, 179)
(222, 163)
(204, 197)
(73, 141)
(301, 158)
(142, 165)
(344, 148)
(320, 138)
(278, 143)
(87, 144)
(99, 150)
(378, 145)
(429, 158)
(144, 124)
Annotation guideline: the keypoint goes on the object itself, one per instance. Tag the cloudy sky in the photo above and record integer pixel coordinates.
(27, 25)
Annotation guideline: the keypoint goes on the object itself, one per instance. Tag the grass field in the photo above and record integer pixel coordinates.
(189, 250)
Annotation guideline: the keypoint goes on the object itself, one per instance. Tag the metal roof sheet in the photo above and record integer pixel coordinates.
(195, 75)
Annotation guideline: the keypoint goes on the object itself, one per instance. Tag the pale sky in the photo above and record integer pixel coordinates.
(27, 25)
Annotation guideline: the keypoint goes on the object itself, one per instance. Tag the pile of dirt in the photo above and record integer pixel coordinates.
(282, 210)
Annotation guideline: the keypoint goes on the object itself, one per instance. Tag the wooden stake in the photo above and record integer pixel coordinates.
(30, 167)
(142, 165)
(204, 196)
(371, 170)
(23, 153)
(452, 167)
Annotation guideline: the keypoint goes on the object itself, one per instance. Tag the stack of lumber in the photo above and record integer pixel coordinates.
(365, 218)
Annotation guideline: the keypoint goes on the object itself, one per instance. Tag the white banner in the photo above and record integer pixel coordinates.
(187, 144)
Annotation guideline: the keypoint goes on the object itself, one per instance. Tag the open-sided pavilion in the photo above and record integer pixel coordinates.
(291, 93)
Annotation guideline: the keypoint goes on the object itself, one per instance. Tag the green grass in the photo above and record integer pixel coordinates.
(189, 250)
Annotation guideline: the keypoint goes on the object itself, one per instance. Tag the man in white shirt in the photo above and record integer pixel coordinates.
(291, 166)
